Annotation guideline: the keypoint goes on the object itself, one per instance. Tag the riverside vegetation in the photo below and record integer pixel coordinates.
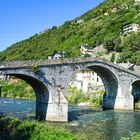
(19, 90)
(133, 136)
(77, 96)
(22, 90)
(15, 129)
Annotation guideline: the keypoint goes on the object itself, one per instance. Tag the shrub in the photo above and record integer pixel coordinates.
(15, 129)
(76, 96)
(35, 68)
(133, 136)
(19, 90)
(112, 59)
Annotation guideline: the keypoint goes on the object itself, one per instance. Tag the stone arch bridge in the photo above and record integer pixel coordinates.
(51, 78)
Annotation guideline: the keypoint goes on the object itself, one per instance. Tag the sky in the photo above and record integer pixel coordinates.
(20, 19)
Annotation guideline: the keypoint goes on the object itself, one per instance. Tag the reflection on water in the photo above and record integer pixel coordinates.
(109, 125)
(106, 125)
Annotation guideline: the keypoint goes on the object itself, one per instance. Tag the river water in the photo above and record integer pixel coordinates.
(104, 125)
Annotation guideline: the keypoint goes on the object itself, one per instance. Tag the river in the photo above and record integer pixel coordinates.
(103, 125)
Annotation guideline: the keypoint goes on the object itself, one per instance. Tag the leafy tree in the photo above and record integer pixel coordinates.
(54, 27)
(112, 59)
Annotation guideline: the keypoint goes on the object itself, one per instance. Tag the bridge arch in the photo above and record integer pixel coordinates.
(109, 79)
(135, 92)
(41, 93)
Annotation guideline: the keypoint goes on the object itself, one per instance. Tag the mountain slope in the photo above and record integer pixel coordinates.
(101, 25)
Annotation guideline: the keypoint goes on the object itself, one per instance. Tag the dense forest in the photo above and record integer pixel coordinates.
(101, 25)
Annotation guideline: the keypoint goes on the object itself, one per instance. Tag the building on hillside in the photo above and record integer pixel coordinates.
(86, 49)
(57, 55)
(13, 80)
(50, 57)
(137, 2)
(9, 79)
(106, 13)
(114, 10)
(85, 79)
(3, 77)
(80, 21)
(133, 27)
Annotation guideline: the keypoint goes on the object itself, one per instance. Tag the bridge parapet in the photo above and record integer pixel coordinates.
(51, 62)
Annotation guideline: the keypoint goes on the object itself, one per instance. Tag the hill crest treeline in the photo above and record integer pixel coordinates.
(101, 25)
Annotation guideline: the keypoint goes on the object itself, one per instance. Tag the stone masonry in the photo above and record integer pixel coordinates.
(51, 78)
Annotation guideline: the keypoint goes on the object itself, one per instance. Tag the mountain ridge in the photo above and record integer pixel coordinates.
(101, 25)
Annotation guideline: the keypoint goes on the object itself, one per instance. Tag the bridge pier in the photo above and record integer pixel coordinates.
(57, 112)
(108, 102)
(119, 103)
(57, 109)
(123, 100)
(124, 103)
(41, 110)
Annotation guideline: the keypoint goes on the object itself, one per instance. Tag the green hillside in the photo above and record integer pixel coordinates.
(101, 25)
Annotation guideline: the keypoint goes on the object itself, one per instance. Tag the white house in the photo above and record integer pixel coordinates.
(130, 28)
(58, 55)
(106, 13)
(137, 2)
(114, 10)
(85, 79)
(50, 57)
(80, 21)
(2, 77)
(86, 49)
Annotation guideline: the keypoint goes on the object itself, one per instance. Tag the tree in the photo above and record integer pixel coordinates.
(112, 59)
(54, 27)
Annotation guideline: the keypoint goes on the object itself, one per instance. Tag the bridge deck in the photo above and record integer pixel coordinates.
(50, 62)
